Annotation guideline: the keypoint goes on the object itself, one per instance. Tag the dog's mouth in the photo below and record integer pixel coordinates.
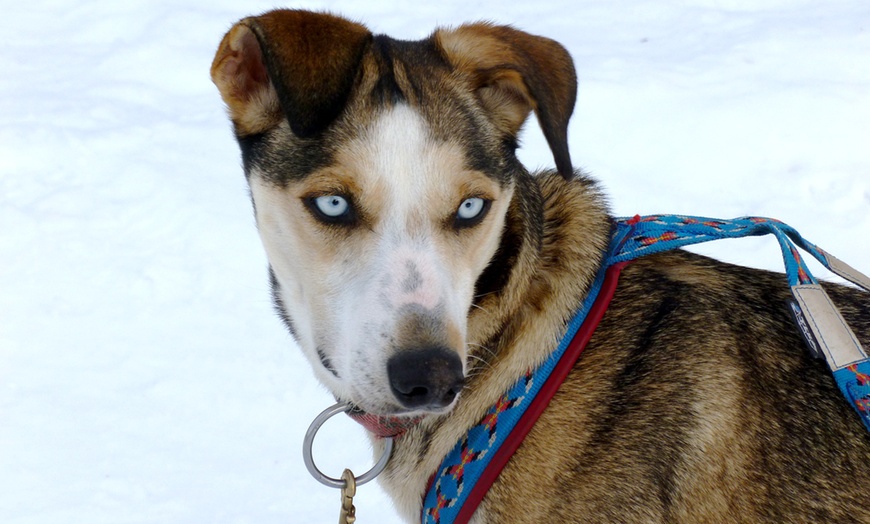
(421, 390)
(385, 425)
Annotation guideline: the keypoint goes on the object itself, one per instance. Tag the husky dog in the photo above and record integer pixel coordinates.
(422, 270)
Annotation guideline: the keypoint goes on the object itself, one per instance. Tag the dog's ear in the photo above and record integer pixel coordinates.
(515, 73)
(298, 63)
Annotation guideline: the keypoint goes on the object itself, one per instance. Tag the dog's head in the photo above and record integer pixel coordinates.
(382, 173)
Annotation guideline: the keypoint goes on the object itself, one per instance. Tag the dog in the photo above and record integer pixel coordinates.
(422, 270)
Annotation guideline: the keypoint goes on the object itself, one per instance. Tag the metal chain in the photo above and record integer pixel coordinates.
(348, 512)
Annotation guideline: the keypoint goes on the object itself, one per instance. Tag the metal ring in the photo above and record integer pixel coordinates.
(319, 476)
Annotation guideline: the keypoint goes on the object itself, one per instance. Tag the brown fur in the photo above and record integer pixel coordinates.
(514, 72)
(695, 400)
(311, 86)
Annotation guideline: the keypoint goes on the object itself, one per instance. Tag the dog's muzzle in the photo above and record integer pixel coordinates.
(428, 378)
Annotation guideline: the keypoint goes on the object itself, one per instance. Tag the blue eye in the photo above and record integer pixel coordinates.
(332, 209)
(471, 212)
(471, 208)
(332, 206)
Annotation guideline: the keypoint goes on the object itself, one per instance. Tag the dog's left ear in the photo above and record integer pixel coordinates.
(514, 73)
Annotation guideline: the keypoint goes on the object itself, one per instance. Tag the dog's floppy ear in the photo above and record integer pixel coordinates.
(514, 73)
(298, 63)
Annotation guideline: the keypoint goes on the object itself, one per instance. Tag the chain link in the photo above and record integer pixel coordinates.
(348, 512)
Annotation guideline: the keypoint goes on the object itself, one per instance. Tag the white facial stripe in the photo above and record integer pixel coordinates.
(409, 166)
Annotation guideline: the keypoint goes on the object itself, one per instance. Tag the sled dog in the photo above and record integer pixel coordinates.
(423, 270)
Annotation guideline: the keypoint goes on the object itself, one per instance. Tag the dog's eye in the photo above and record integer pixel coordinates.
(331, 209)
(470, 208)
(471, 211)
(332, 206)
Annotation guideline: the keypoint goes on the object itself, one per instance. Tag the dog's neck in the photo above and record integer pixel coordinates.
(554, 239)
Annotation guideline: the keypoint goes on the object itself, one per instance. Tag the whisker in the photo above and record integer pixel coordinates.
(482, 347)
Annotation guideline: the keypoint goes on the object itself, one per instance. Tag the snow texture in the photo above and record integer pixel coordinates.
(144, 377)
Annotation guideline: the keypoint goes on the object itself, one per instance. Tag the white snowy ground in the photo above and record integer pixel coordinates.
(143, 375)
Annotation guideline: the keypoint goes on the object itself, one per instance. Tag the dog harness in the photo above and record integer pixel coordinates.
(467, 472)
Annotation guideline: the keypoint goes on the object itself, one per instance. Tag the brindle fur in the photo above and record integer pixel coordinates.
(695, 400)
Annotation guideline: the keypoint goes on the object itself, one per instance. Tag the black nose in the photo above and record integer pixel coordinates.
(425, 378)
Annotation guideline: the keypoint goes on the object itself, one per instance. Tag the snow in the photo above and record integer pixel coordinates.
(143, 374)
